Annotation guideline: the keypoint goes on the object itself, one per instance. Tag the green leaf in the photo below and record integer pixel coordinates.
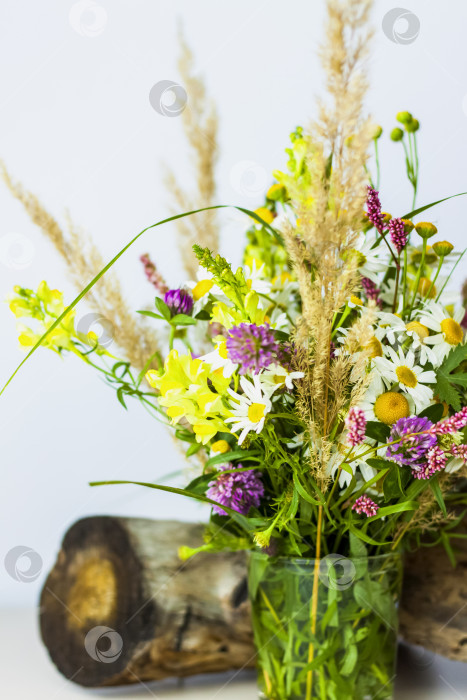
(163, 308)
(396, 508)
(151, 314)
(183, 320)
(432, 204)
(438, 494)
(107, 267)
(380, 463)
(240, 519)
(446, 377)
(193, 449)
(363, 536)
(395, 482)
(377, 431)
(303, 493)
(433, 413)
(357, 548)
(226, 457)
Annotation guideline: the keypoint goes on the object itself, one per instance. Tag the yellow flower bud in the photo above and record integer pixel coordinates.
(221, 446)
(425, 229)
(397, 134)
(424, 287)
(408, 225)
(413, 126)
(378, 131)
(265, 214)
(404, 117)
(275, 192)
(442, 248)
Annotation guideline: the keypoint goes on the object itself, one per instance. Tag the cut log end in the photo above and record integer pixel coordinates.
(120, 607)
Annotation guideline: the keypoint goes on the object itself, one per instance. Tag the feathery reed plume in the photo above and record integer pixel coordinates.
(84, 261)
(200, 124)
(329, 212)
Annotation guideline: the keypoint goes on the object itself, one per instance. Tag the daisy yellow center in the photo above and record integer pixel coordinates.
(374, 347)
(356, 300)
(256, 412)
(202, 288)
(279, 379)
(222, 349)
(406, 376)
(418, 328)
(390, 406)
(453, 333)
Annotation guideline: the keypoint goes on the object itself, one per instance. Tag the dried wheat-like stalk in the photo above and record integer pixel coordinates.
(329, 213)
(84, 262)
(200, 124)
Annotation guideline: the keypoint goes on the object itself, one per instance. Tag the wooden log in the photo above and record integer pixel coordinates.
(433, 611)
(120, 607)
(162, 617)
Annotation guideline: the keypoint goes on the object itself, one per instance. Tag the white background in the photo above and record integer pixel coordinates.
(78, 130)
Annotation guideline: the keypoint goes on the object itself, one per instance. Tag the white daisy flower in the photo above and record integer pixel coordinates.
(277, 377)
(400, 368)
(219, 358)
(370, 262)
(256, 278)
(203, 285)
(448, 331)
(396, 330)
(250, 408)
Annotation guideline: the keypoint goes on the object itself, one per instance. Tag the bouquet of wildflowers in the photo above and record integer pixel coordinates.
(321, 385)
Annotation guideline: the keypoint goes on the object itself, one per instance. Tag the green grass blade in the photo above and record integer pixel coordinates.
(428, 206)
(117, 256)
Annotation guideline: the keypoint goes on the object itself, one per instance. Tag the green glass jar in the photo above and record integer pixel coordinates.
(325, 629)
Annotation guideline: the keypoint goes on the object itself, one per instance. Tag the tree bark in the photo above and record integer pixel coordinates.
(120, 607)
(166, 617)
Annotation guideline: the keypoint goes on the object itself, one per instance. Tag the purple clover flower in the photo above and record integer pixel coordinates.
(252, 347)
(373, 212)
(365, 505)
(398, 235)
(179, 301)
(355, 422)
(239, 490)
(411, 450)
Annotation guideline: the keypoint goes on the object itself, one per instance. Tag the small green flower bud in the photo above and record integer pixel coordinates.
(413, 126)
(442, 248)
(404, 117)
(378, 132)
(408, 225)
(425, 229)
(397, 134)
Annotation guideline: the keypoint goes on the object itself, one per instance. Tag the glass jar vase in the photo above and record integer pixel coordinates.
(325, 629)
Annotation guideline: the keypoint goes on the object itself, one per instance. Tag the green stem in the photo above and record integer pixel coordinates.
(404, 278)
(417, 279)
(440, 264)
(378, 173)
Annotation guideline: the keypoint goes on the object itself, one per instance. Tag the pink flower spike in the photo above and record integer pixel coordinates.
(460, 451)
(452, 424)
(365, 505)
(398, 235)
(355, 423)
(436, 462)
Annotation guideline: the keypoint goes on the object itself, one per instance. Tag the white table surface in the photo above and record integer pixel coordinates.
(27, 673)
